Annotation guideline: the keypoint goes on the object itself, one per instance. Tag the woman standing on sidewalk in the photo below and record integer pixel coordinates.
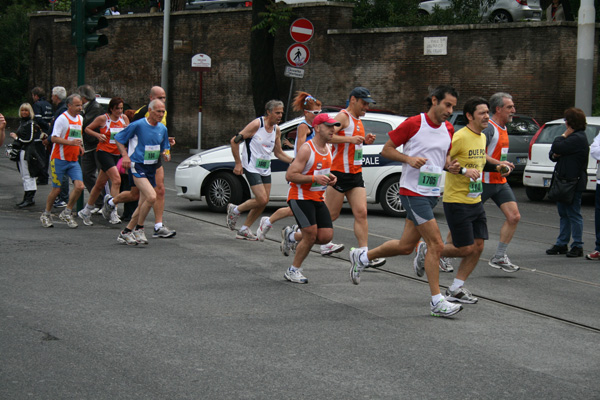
(27, 132)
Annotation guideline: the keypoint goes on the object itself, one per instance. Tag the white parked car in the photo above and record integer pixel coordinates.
(209, 174)
(497, 11)
(538, 171)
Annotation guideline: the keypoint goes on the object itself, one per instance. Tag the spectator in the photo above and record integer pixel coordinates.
(42, 110)
(595, 152)
(570, 151)
(556, 12)
(25, 136)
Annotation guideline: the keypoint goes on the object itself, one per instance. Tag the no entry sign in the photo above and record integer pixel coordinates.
(297, 55)
(302, 30)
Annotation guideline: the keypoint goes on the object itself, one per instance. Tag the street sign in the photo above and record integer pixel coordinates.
(302, 30)
(201, 62)
(292, 72)
(297, 55)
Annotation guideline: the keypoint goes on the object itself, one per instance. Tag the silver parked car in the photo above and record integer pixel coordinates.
(498, 11)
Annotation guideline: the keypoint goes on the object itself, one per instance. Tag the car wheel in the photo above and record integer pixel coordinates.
(501, 16)
(389, 197)
(422, 13)
(223, 188)
(535, 193)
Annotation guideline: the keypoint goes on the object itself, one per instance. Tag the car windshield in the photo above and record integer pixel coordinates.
(551, 132)
(522, 126)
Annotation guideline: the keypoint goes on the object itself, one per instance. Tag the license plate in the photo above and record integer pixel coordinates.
(547, 182)
(537, 15)
(521, 160)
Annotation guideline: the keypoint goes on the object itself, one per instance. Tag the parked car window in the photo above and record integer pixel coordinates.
(522, 126)
(551, 132)
(380, 129)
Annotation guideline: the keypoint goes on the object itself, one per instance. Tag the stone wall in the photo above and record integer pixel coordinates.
(535, 62)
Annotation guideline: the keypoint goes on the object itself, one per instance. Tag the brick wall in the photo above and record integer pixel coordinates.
(535, 62)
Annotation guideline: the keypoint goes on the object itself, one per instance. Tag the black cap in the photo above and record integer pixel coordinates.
(362, 93)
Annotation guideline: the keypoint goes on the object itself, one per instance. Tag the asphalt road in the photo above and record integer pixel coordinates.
(205, 316)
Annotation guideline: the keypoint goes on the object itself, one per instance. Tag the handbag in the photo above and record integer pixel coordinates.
(562, 189)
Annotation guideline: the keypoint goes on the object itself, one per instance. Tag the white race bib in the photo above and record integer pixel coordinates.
(429, 180)
(151, 154)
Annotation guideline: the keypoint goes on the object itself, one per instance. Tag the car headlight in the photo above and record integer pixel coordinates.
(190, 163)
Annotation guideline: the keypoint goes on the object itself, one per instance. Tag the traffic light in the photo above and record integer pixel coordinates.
(87, 17)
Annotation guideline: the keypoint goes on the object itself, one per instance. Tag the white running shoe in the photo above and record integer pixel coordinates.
(140, 236)
(46, 220)
(419, 261)
(68, 218)
(295, 276)
(163, 232)
(376, 263)
(461, 295)
(355, 265)
(330, 248)
(504, 264)
(127, 238)
(263, 228)
(107, 208)
(114, 217)
(286, 245)
(446, 264)
(232, 216)
(86, 217)
(444, 308)
(246, 234)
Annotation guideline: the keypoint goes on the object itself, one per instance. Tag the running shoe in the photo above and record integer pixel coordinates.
(96, 210)
(330, 248)
(140, 236)
(163, 232)
(263, 228)
(60, 204)
(246, 234)
(86, 217)
(286, 245)
(68, 218)
(46, 220)
(376, 263)
(444, 308)
(355, 265)
(107, 208)
(295, 276)
(232, 216)
(419, 261)
(446, 264)
(503, 263)
(127, 238)
(593, 256)
(461, 295)
(114, 217)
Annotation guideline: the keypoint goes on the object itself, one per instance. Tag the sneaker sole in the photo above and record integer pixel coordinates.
(328, 253)
(377, 265)
(170, 235)
(90, 223)
(246, 238)
(502, 268)
(433, 314)
(123, 241)
(285, 275)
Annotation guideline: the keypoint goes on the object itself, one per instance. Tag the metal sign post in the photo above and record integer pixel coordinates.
(297, 55)
(200, 63)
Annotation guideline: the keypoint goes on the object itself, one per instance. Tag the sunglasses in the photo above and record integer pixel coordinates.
(314, 112)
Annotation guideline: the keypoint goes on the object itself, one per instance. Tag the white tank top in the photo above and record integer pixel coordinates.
(433, 144)
(256, 156)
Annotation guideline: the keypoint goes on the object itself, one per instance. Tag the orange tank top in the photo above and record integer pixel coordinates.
(347, 157)
(318, 164)
(110, 129)
(72, 128)
(497, 148)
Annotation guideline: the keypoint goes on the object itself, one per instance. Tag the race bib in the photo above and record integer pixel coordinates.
(151, 154)
(475, 188)
(504, 154)
(113, 132)
(429, 180)
(261, 163)
(74, 132)
(315, 187)
(358, 154)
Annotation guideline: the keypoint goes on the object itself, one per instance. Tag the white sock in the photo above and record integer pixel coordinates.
(268, 222)
(235, 210)
(436, 299)
(243, 227)
(111, 203)
(67, 211)
(292, 237)
(157, 226)
(89, 208)
(456, 284)
(292, 268)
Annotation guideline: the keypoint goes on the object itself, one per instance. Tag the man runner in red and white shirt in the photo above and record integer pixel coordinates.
(495, 186)
(309, 175)
(426, 138)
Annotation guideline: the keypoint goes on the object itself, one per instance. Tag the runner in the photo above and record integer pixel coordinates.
(261, 137)
(311, 107)
(104, 128)
(309, 175)
(149, 139)
(426, 140)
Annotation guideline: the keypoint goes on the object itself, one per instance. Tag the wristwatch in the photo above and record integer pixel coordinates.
(463, 171)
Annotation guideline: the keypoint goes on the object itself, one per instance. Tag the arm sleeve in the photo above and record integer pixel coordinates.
(60, 126)
(489, 134)
(126, 134)
(405, 130)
